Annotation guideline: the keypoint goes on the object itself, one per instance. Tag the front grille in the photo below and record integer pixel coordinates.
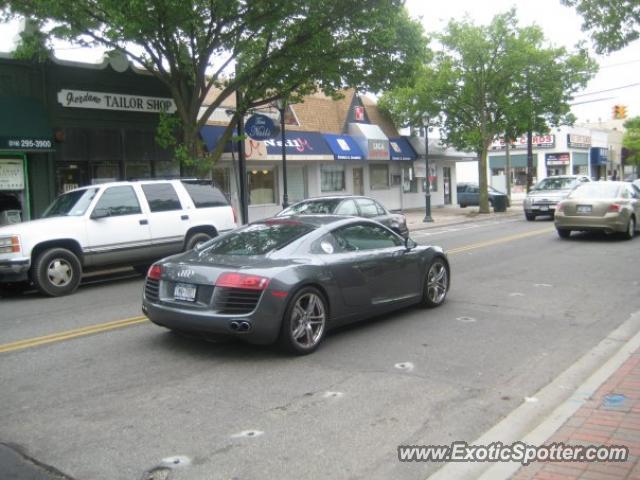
(152, 289)
(236, 300)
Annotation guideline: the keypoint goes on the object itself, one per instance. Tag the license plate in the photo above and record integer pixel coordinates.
(184, 291)
(583, 209)
(544, 208)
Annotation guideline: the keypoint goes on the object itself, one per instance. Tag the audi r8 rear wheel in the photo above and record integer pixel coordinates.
(304, 322)
(436, 283)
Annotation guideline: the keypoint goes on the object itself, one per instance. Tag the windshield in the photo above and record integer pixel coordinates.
(556, 183)
(596, 190)
(74, 203)
(257, 238)
(313, 207)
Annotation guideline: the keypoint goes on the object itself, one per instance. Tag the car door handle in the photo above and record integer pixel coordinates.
(184, 217)
(144, 221)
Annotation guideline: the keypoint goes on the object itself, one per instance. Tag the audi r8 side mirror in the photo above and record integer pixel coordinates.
(409, 244)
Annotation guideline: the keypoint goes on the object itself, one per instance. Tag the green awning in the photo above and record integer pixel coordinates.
(517, 161)
(24, 125)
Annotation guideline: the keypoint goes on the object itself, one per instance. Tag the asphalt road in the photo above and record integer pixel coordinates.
(117, 402)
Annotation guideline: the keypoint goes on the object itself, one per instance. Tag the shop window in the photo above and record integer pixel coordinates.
(332, 178)
(119, 201)
(104, 172)
(161, 197)
(139, 148)
(433, 179)
(262, 187)
(222, 179)
(379, 177)
(75, 146)
(410, 184)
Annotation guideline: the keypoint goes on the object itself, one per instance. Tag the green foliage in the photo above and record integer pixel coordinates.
(631, 140)
(613, 24)
(279, 48)
(33, 44)
(488, 80)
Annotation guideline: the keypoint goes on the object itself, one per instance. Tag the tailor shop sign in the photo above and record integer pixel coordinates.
(115, 101)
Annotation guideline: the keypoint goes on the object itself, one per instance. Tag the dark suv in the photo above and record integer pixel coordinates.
(469, 194)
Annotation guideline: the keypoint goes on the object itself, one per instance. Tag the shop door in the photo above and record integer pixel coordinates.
(358, 182)
(70, 176)
(446, 174)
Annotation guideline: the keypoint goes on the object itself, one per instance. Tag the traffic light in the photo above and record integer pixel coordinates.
(619, 112)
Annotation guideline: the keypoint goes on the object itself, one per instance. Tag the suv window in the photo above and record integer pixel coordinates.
(119, 201)
(205, 195)
(365, 237)
(162, 197)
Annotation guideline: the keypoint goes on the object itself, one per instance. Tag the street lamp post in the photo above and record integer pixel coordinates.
(281, 103)
(427, 183)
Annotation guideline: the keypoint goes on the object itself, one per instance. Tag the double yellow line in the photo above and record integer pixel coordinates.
(69, 334)
(498, 241)
(105, 327)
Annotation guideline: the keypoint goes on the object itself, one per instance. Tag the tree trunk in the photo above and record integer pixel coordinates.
(507, 143)
(529, 159)
(482, 181)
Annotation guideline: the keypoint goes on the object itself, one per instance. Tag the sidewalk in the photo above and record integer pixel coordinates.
(610, 417)
(453, 214)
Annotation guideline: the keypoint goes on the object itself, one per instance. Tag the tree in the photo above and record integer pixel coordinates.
(631, 142)
(265, 49)
(613, 23)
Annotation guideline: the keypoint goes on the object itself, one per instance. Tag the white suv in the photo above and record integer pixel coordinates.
(112, 224)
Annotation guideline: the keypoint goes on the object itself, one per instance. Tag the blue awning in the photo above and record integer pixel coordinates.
(400, 149)
(211, 135)
(344, 147)
(308, 144)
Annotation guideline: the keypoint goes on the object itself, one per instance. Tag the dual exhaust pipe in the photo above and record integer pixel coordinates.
(240, 326)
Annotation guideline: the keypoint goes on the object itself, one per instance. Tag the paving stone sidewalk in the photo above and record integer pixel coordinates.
(610, 417)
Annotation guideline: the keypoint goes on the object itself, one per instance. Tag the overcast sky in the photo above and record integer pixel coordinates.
(560, 24)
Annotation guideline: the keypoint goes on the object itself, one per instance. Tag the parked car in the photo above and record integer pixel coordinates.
(350, 205)
(544, 196)
(289, 279)
(123, 223)
(599, 206)
(469, 194)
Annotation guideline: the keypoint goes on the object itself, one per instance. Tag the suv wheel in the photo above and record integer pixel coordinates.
(196, 239)
(57, 272)
(530, 216)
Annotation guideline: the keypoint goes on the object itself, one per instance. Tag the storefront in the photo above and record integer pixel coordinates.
(599, 158)
(557, 163)
(25, 140)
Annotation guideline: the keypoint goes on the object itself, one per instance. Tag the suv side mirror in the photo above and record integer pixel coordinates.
(100, 213)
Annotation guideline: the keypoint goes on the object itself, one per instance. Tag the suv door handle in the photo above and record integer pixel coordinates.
(144, 221)
(184, 217)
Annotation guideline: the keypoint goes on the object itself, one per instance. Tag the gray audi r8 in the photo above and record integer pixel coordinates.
(290, 279)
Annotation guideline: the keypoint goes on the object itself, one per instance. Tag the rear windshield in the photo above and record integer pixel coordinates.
(314, 207)
(258, 238)
(560, 183)
(205, 195)
(596, 190)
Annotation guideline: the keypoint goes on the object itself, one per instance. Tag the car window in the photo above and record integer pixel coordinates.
(72, 203)
(119, 201)
(596, 190)
(257, 238)
(381, 210)
(312, 207)
(347, 207)
(365, 237)
(205, 195)
(162, 197)
(556, 183)
(326, 245)
(367, 207)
